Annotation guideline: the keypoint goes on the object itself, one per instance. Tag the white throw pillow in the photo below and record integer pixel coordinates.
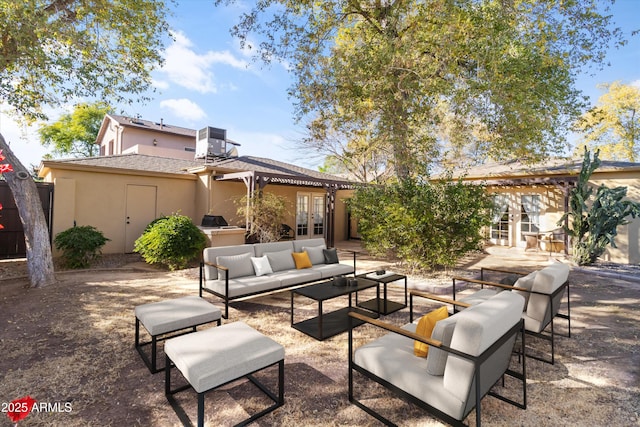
(261, 265)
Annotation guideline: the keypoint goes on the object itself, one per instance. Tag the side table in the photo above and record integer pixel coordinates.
(384, 305)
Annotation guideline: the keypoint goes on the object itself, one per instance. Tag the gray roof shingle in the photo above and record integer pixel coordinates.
(146, 163)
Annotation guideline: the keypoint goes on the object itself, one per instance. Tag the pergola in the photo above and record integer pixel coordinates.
(255, 180)
(565, 184)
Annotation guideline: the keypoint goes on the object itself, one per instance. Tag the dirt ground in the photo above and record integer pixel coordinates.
(70, 347)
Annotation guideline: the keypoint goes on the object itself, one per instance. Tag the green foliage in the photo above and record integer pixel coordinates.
(266, 213)
(613, 126)
(80, 245)
(425, 224)
(409, 82)
(592, 228)
(52, 51)
(75, 134)
(172, 241)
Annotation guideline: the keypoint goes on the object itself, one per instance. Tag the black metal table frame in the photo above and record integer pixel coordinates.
(316, 327)
(388, 306)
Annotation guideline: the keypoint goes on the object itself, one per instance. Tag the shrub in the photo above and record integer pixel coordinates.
(80, 245)
(266, 213)
(172, 241)
(424, 224)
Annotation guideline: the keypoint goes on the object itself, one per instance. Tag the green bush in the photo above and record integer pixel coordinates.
(424, 224)
(80, 245)
(172, 241)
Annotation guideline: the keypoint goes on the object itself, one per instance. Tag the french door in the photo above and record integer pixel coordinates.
(310, 215)
(515, 216)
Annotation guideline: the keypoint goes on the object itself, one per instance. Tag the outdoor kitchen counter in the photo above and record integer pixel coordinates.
(223, 236)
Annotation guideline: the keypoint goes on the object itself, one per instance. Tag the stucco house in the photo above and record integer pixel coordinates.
(532, 199)
(148, 169)
(133, 135)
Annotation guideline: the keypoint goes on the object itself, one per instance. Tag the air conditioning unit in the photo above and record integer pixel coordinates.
(210, 143)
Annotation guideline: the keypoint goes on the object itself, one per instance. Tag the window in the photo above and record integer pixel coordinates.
(529, 214)
(500, 221)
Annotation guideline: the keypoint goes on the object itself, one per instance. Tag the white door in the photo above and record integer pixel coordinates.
(310, 215)
(140, 211)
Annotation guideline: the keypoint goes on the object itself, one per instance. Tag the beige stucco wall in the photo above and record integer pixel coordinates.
(628, 238)
(100, 200)
(118, 139)
(225, 194)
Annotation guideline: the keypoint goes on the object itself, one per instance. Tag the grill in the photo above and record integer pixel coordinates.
(214, 221)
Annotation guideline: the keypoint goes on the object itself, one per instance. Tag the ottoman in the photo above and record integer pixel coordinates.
(215, 357)
(163, 319)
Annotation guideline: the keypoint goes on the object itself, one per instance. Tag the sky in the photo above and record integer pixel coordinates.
(208, 80)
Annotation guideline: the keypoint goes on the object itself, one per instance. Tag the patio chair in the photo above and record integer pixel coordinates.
(542, 290)
(469, 352)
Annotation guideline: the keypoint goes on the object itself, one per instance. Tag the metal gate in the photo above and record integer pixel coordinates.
(12, 243)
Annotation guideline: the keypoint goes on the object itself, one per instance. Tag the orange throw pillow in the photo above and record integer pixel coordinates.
(301, 259)
(425, 328)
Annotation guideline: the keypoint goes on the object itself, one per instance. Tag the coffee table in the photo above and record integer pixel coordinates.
(383, 305)
(326, 325)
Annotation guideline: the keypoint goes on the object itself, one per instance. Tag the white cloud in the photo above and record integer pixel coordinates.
(184, 108)
(191, 70)
(636, 83)
(160, 84)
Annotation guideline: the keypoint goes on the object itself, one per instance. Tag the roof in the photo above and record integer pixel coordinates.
(151, 125)
(551, 167)
(264, 165)
(142, 163)
(125, 162)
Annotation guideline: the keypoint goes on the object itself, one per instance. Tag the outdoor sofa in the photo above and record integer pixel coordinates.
(232, 272)
(469, 352)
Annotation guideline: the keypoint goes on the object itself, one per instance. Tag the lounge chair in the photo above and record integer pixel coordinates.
(469, 353)
(542, 290)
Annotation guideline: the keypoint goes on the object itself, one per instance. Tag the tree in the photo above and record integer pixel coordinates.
(594, 223)
(430, 81)
(266, 213)
(52, 51)
(426, 224)
(613, 126)
(75, 134)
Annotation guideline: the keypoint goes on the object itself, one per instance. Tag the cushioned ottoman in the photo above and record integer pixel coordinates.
(168, 317)
(217, 356)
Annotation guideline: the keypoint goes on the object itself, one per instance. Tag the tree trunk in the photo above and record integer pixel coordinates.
(36, 232)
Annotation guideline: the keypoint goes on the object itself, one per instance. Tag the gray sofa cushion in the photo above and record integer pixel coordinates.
(329, 270)
(211, 254)
(477, 328)
(262, 248)
(238, 265)
(244, 285)
(299, 244)
(525, 282)
(546, 281)
(436, 358)
(315, 253)
(216, 356)
(281, 260)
